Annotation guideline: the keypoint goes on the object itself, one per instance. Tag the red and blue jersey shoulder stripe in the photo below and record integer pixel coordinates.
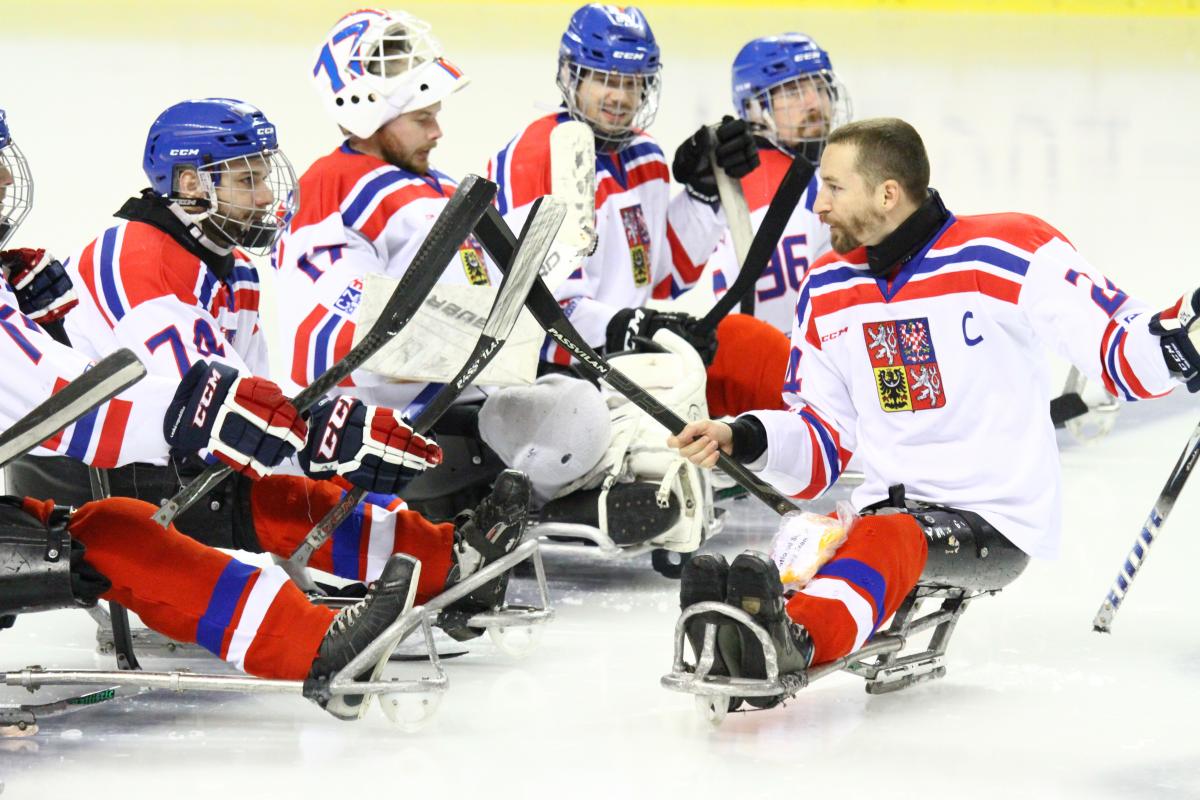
(640, 162)
(365, 191)
(1022, 231)
(522, 168)
(132, 263)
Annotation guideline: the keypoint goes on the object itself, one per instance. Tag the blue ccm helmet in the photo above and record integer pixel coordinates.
(615, 46)
(249, 187)
(16, 184)
(790, 69)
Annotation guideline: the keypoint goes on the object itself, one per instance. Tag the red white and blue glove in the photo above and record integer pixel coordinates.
(41, 284)
(1179, 330)
(367, 445)
(243, 421)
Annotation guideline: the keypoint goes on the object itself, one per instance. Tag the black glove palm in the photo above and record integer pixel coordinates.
(736, 153)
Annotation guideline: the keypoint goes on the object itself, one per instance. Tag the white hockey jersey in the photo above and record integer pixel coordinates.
(36, 366)
(647, 244)
(937, 379)
(804, 240)
(139, 288)
(358, 215)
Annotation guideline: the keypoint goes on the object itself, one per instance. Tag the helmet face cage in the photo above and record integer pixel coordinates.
(16, 186)
(798, 114)
(250, 199)
(646, 87)
(401, 48)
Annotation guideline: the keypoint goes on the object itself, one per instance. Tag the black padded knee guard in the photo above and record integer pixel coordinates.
(965, 551)
(221, 518)
(37, 560)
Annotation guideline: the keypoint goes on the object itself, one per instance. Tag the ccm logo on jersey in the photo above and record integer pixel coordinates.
(210, 388)
(829, 337)
(333, 429)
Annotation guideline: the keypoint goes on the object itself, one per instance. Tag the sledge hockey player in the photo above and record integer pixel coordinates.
(172, 281)
(366, 208)
(785, 89)
(912, 347)
(37, 278)
(56, 556)
(647, 245)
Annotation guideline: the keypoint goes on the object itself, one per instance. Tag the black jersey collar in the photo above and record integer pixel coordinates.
(913, 234)
(168, 217)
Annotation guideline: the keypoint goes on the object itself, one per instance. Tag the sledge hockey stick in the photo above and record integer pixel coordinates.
(1158, 515)
(573, 181)
(107, 378)
(737, 211)
(540, 229)
(448, 232)
(496, 237)
(763, 245)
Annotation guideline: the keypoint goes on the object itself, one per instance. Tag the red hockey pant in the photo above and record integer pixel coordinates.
(748, 371)
(862, 585)
(254, 618)
(285, 508)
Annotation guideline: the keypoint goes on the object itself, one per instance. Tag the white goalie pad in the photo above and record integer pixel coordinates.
(439, 339)
(638, 445)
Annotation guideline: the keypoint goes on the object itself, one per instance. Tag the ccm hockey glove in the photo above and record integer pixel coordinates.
(736, 152)
(43, 288)
(1179, 330)
(632, 328)
(367, 445)
(245, 422)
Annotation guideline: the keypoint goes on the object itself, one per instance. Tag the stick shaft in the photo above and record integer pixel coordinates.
(1150, 529)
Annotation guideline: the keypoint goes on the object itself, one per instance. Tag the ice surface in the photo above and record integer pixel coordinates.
(1033, 703)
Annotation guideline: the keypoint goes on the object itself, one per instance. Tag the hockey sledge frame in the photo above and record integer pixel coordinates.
(408, 702)
(879, 662)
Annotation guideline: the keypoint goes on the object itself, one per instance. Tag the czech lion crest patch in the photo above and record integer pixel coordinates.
(907, 377)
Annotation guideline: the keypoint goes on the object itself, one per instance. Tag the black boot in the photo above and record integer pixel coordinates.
(703, 580)
(355, 628)
(482, 536)
(755, 588)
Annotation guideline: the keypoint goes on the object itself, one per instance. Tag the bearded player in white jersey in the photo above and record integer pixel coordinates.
(912, 347)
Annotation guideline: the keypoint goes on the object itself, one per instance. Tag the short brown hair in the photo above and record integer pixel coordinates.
(888, 148)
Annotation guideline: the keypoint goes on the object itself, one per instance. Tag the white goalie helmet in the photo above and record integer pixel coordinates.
(375, 65)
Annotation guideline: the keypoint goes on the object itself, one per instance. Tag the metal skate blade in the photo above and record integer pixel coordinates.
(413, 648)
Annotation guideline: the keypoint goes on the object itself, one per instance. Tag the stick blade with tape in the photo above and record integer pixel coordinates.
(572, 181)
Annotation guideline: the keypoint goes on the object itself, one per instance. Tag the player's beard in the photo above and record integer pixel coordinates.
(415, 160)
(849, 234)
